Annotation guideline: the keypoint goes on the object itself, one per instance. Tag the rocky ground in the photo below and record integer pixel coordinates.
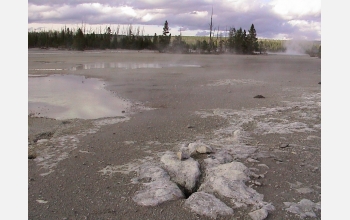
(195, 144)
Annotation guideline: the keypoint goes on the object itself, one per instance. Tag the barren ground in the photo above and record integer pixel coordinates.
(192, 98)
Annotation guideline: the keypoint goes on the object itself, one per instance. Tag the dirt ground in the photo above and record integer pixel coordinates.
(191, 98)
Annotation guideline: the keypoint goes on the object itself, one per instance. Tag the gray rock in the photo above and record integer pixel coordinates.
(206, 204)
(158, 188)
(304, 190)
(304, 208)
(236, 136)
(223, 156)
(232, 171)
(192, 148)
(42, 141)
(204, 149)
(250, 160)
(237, 191)
(198, 147)
(241, 151)
(259, 214)
(157, 192)
(257, 183)
(259, 96)
(263, 165)
(284, 145)
(228, 180)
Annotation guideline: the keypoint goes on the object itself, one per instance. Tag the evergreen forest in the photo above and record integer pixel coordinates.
(238, 41)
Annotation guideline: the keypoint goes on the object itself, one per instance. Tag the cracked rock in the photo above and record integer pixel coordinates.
(207, 204)
(183, 172)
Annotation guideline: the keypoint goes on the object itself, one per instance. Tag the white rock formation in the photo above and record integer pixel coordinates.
(206, 204)
(259, 214)
(228, 180)
(183, 172)
(159, 188)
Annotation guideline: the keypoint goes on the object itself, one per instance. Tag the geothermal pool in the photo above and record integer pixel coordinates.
(71, 96)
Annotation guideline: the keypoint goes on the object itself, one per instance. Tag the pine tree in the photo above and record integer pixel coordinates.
(164, 40)
(79, 40)
(155, 41)
(166, 28)
(252, 40)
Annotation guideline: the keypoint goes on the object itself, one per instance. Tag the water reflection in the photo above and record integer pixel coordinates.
(69, 96)
(118, 65)
(128, 65)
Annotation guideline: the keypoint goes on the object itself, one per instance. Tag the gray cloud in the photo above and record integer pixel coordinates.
(187, 15)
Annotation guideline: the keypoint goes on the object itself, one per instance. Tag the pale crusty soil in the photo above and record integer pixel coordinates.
(77, 190)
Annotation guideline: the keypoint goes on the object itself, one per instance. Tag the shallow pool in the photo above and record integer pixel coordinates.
(70, 96)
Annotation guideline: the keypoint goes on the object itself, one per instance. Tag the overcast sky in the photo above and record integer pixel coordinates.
(277, 19)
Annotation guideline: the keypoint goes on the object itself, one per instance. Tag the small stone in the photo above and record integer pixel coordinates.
(42, 141)
(123, 111)
(254, 175)
(182, 155)
(31, 156)
(204, 149)
(259, 96)
(284, 145)
(263, 165)
(190, 126)
(250, 160)
(41, 201)
(304, 190)
(278, 160)
(257, 183)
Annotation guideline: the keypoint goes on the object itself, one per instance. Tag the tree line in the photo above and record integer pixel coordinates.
(77, 40)
(238, 41)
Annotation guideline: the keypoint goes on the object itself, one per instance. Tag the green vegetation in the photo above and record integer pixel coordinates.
(164, 40)
(67, 39)
(235, 41)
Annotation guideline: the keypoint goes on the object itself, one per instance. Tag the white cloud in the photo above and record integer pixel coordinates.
(296, 8)
(243, 5)
(128, 11)
(307, 26)
(271, 18)
(147, 17)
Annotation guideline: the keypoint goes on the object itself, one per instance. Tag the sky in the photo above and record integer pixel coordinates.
(272, 19)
